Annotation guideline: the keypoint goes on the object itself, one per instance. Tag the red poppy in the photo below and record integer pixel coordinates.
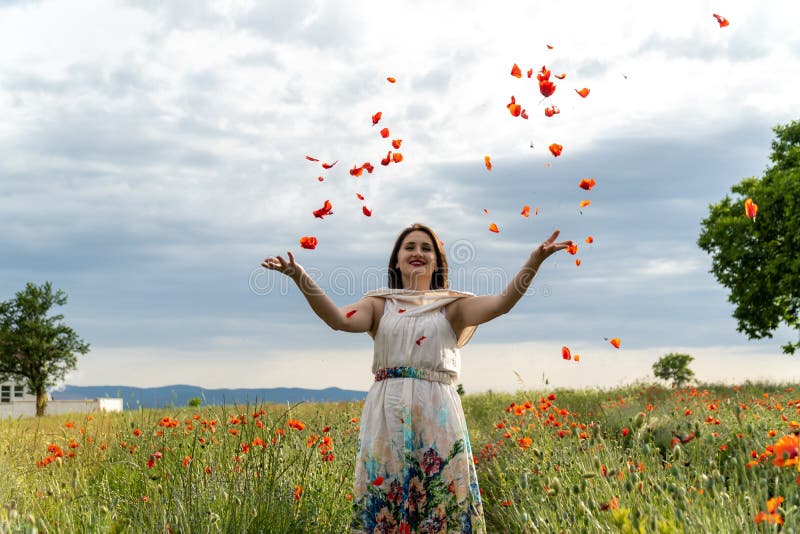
(546, 87)
(515, 72)
(750, 208)
(488, 162)
(308, 242)
(493, 228)
(555, 149)
(324, 210)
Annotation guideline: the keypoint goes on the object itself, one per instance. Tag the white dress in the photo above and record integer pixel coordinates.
(414, 469)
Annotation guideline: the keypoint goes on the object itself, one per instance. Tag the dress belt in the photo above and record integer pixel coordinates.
(414, 372)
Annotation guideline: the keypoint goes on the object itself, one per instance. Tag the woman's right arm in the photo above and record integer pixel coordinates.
(360, 313)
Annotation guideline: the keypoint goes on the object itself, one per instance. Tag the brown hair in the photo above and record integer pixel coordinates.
(439, 279)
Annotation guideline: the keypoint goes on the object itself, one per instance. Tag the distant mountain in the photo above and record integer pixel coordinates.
(180, 395)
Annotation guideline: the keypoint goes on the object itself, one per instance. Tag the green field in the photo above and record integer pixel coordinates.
(636, 459)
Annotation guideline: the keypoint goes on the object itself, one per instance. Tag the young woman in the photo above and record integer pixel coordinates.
(414, 471)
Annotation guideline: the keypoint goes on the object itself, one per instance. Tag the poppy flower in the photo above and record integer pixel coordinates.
(350, 313)
(583, 92)
(552, 110)
(419, 341)
(324, 210)
(366, 211)
(514, 108)
(515, 72)
(385, 133)
(721, 20)
(615, 342)
(565, 353)
(359, 196)
(555, 149)
(585, 203)
(308, 242)
(587, 184)
(309, 158)
(493, 228)
(396, 143)
(526, 211)
(329, 165)
(391, 79)
(572, 248)
(376, 118)
(298, 490)
(786, 451)
(488, 161)
(547, 88)
(589, 240)
(750, 208)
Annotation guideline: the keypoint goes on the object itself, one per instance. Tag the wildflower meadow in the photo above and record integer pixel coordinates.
(640, 458)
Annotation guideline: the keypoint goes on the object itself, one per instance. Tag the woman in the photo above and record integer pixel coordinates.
(414, 471)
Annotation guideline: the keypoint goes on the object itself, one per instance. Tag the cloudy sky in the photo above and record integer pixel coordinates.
(152, 155)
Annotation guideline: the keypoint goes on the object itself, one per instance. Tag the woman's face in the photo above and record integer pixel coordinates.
(416, 257)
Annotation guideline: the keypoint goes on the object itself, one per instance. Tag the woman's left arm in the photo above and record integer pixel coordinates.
(472, 311)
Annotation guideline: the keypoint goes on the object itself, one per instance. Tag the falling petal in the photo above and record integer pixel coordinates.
(524, 114)
(555, 149)
(526, 211)
(308, 242)
(388, 159)
(514, 108)
(397, 157)
(366, 211)
(324, 210)
(493, 228)
(577, 262)
(576, 357)
(552, 110)
(391, 79)
(565, 353)
(329, 165)
(530, 73)
(536, 212)
(589, 240)
(583, 92)
(585, 203)
(385, 133)
(615, 341)
(587, 184)
(750, 208)
(309, 158)
(515, 72)
(549, 47)
(488, 162)
(376, 118)
(359, 196)
(485, 211)
(320, 179)
(561, 76)
(572, 248)
(396, 143)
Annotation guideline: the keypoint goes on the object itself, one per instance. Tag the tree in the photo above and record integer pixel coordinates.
(674, 367)
(758, 260)
(39, 348)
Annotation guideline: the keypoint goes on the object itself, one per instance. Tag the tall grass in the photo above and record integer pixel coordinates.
(640, 458)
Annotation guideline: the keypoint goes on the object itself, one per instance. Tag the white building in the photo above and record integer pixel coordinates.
(16, 402)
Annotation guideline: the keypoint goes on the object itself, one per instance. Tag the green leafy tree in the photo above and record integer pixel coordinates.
(674, 367)
(759, 260)
(39, 348)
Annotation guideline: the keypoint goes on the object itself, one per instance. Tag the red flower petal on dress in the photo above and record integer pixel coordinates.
(401, 310)
(366, 211)
(350, 313)
(555, 149)
(615, 341)
(385, 133)
(583, 92)
(565, 353)
(309, 242)
(396, 143)
(587, 183)
(309, 158)
(420, 340)
(358, 195)
(391, 79)
(493, 228)
(526, 211)
(585, 203)
(572, 248)
(324, 210)
(329, 165)
(376, 118)
(488, 162)
(515, 72)
(722, 20)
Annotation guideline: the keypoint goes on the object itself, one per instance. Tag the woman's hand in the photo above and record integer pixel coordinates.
(549, 247)
(291, 268)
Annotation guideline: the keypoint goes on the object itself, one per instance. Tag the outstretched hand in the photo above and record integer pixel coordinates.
(291, 268)
(549, 247)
